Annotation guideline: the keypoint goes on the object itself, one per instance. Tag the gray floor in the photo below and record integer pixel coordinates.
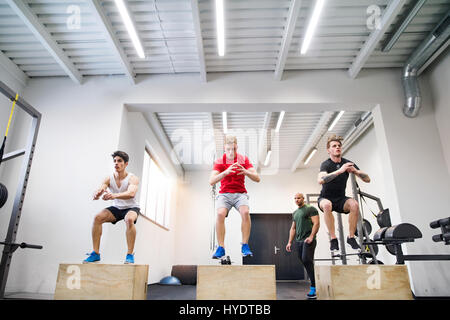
(28, 296)
(296, 290)
(285, 291)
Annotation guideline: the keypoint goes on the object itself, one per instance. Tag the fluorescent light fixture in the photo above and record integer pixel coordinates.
(312, 26)
(311, 154)
(224, 122)
(336, 120)
(220, 25)
(267, 158)
(130, 27)
(280, 120)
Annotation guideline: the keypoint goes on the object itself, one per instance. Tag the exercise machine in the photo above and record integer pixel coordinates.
(399, 234)
(9, 245)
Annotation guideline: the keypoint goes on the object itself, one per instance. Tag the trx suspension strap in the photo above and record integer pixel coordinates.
(2, 149)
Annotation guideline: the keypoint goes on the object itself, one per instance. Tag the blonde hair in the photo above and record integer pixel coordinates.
(229, 139)
(332, 138)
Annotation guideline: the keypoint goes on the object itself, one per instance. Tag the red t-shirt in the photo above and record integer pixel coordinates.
(232, 183)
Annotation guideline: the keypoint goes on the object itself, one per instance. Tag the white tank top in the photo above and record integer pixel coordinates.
(121, 203)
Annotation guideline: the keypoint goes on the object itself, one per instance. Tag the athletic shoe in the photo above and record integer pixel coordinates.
(312, 293)
(334, 244)
(220, 252)
(93, 257)
(353, 243)
(246, 250)
(129, 259)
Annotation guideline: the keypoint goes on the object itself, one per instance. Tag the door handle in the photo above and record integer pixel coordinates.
(276, 249)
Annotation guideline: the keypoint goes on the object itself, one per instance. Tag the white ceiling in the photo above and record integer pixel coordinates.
(41, 39)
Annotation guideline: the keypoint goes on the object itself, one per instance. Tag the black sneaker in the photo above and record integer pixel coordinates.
(352, 242)
(334, 244)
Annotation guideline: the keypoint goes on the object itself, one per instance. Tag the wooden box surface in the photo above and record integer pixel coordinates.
(101, 282)
(363, 282)
(241, 282)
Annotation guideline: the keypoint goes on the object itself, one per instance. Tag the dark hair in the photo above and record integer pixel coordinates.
(334, 138)
(121, 154)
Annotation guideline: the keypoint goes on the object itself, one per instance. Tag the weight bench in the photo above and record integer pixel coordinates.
(395, 236)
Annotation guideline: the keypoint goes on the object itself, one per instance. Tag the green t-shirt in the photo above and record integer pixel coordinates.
(303, 223)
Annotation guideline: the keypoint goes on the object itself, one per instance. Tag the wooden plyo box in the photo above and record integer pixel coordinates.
(246, 282)
(101, 282)
(363, 282)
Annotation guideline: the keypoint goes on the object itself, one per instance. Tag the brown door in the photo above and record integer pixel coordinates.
(268, 239)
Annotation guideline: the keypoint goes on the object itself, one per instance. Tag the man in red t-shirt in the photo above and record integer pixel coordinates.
(231, 170)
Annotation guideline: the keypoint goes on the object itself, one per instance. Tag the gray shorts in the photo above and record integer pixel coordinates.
(229, 200)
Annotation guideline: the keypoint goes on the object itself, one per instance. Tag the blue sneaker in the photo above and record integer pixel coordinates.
(93, 257)
(220, 252)
(246, 250)
(312, 293)
(129, 259)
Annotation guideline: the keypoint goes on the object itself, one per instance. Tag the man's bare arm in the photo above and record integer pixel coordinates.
(216, 176)
(292, 232)
(363, 176)
(102, 189)
(325, 177)
(316, 225)
(252, 174)
(291, 237)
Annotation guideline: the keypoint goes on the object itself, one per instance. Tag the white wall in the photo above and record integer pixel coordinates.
(439, 78)
(81, 126)
(417, 186)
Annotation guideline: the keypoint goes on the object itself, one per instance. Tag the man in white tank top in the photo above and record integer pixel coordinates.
(123, 187)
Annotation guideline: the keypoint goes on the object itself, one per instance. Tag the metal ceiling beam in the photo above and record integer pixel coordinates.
(294, 10)
(390, 41)
(32, 22)
(111, 38)
(356, 131)
(366, 51)
(211, 124)
(433, 57)
(262, 138)
(13, 69)
(157, 128)
(316, 135)
(199, 39)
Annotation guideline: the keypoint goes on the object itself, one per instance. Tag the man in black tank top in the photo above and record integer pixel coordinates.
(128, 212)
(333, 177)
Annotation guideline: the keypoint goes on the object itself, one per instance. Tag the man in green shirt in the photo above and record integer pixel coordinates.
(305, 225)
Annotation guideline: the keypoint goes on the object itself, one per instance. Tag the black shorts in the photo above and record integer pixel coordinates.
(120, 214)
(338, 204)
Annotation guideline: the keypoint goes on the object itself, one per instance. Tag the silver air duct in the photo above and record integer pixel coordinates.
(432, 42)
